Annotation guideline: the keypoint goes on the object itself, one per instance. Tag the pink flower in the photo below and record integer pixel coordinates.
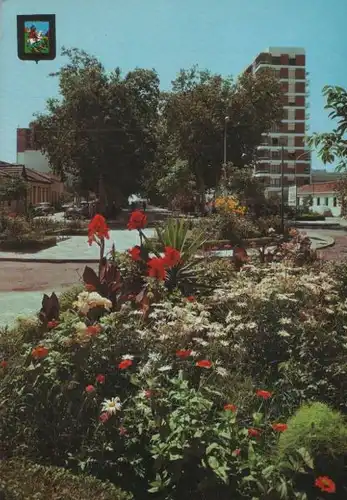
(100, 378)
(90, 389)
(104, 417)
(237, 452)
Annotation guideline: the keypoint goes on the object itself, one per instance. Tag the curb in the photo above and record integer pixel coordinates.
(50, 261)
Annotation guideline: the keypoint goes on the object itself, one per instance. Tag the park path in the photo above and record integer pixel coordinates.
(337, 252)
(34, 276)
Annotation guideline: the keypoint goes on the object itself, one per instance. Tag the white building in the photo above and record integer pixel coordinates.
(289, 65)
(27, 155)
(324, 198)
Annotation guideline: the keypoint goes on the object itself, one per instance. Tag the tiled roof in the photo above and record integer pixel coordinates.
(324, 187)
(19, 170)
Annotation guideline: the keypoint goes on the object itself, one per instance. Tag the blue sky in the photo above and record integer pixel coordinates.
(39, 25)
(221, 35)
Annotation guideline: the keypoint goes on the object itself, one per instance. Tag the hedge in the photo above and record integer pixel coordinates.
(21, 480)
(30, 244)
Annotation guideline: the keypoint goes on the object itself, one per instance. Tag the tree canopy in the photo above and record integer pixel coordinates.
(103, 128)
(333, 145)
(193, 116)
(118, 135)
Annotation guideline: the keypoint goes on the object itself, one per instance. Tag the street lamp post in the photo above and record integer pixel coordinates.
(282, 189)
(224, 171)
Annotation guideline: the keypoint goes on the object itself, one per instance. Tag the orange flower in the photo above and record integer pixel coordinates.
(39, 352)
(324, 483)
(253, 432)
(191, 298)
(138, 220)
(98, 228)
(230, 407)
(90, 288)
(100, 378)
(135, 253)
(52, 324)
(183, 353)
(203, 363)
(264, 394)
(172, 256)
(3, 364)
(123, 365)
(90, 389)
(93, 329)
(157, 268)
(279, 427)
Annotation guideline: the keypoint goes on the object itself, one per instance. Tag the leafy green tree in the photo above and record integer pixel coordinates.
(102, 130)
(194, 112)
(333, 145)
(14, 189)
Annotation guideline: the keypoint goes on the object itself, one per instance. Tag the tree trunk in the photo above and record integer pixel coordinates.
(102, 196)
(201, 190)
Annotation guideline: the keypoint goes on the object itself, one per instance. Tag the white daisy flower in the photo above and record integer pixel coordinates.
(221, 371)
(165, 368)
(283, 333)
(111, 406)
(285, 321)
(128, 356)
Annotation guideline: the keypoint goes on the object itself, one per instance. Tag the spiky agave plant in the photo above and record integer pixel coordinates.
(184, 275)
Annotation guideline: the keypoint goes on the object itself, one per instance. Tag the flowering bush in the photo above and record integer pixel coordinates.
(229, 204)
(181, 395)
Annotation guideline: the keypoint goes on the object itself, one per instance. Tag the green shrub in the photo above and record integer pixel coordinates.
(69, 296)
(20, 480)
(317, 428)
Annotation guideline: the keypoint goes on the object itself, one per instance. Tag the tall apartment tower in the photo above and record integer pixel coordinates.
(289, 65)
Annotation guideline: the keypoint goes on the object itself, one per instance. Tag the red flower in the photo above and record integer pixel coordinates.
(237, 452)
(157, 268)
(104, 417)
(183, 353)
(138, 220)
(90, 389)
(148, 393)
(172, 256)
(93, 329)
(52, 324)
(227, 246)
(203, 363)
(191, 298)
(253, 432)
(264, 394)
(230, 407)
(3, 364)
(279, 427)
(98, 227)
(39, 352)
(324, 483)
(100, 378)
(122, 431)
(123, 365)
(90, 288)
(135, 253)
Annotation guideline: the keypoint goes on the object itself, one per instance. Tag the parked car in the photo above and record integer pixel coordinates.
(43, 209)
(75, 212)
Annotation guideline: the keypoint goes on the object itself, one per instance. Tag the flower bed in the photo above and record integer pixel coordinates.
(182, 379)
(28, 243)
